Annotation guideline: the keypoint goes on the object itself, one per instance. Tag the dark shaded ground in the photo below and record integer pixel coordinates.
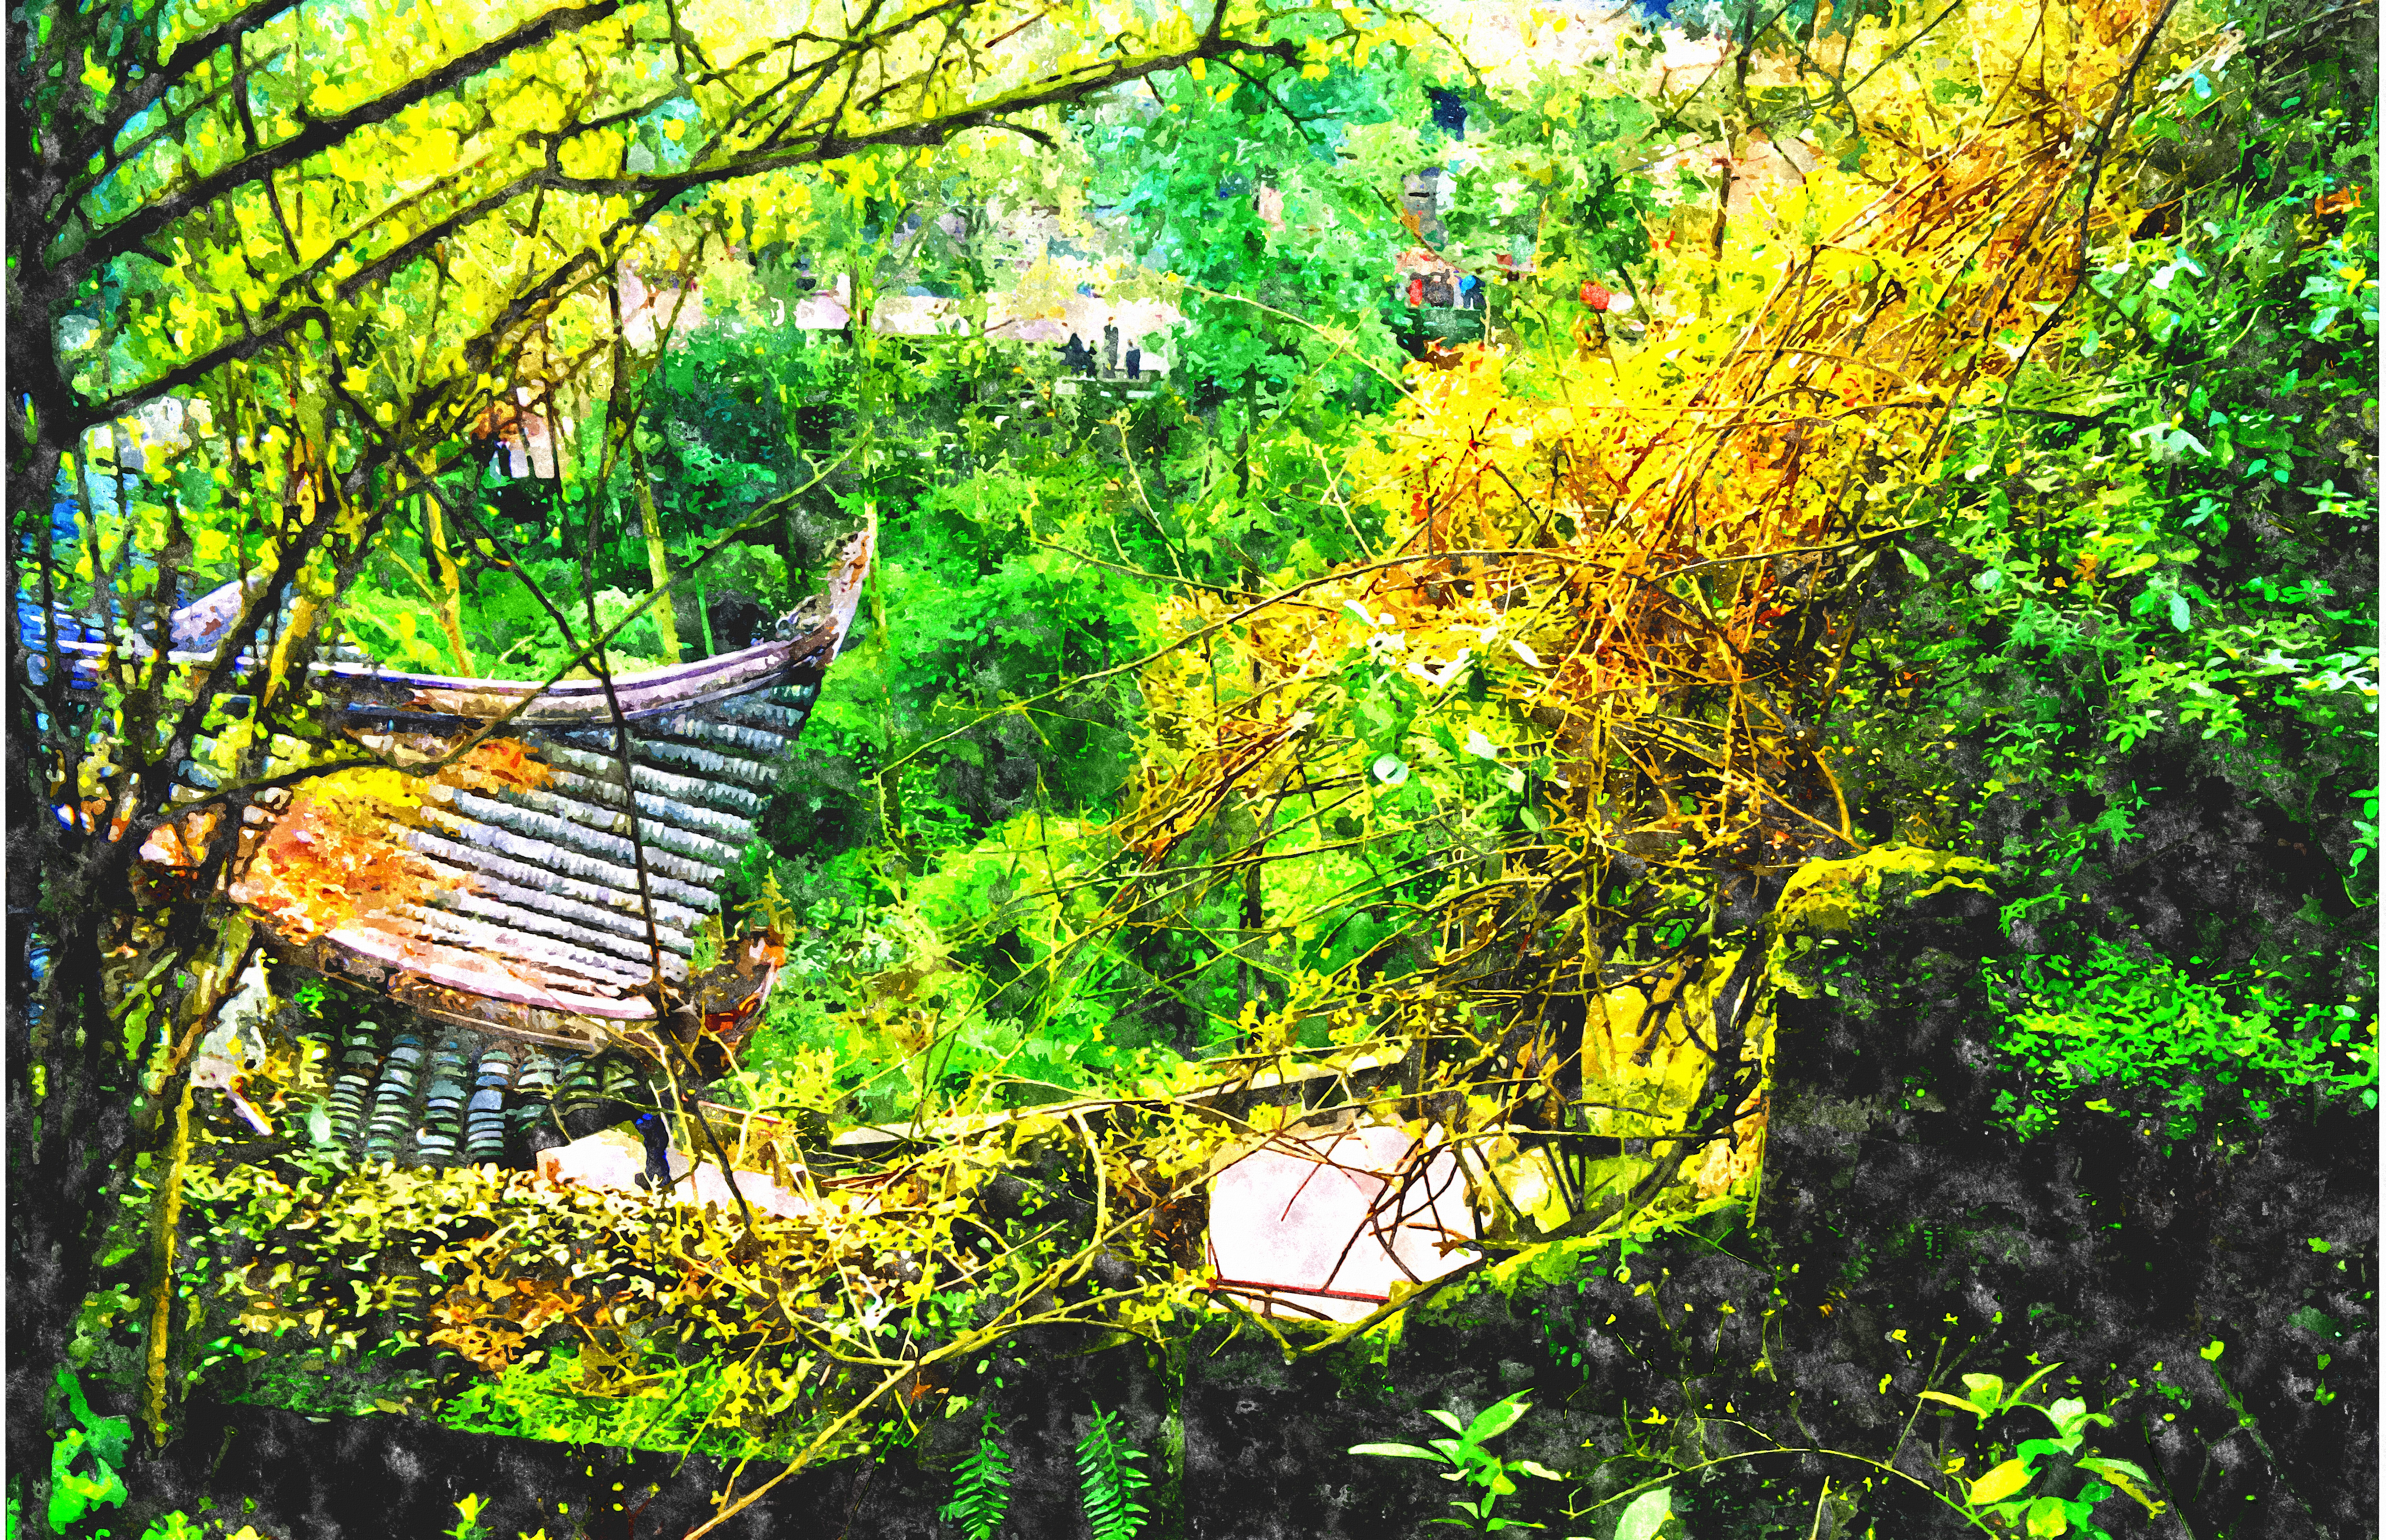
(1900, 1229)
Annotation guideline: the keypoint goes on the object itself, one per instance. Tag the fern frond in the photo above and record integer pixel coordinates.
(981, 1489)
(1112, 1481)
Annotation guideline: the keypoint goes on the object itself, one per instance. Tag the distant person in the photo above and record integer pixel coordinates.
(1135, 363)
(1076, 356)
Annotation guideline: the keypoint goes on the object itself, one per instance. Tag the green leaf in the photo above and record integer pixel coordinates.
(2125, 1476)
(1535, 1468)
(72, 1494)
(1497, 1418)
(1979, 1411)
(2022, 1389)
(1645, 1515)
(2046, 1519)
(981, 1489)
(1403, 1451)
(2071, 1418)
(1110, 1480)
(109, 1436)
(1997, 1484)
(1988, 1390)
(1914, 565)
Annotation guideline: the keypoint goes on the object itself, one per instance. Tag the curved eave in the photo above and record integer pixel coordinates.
(371, 691)
(501, 892)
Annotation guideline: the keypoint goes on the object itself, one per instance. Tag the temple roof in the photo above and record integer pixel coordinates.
(522, 884)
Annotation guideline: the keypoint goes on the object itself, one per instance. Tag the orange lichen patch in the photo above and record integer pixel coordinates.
(489, 1320)
(336, 878)
(182, 842)
(496, 764)
(499, 764)
(336, 857)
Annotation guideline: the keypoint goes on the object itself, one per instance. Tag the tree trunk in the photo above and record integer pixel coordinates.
(657, 560)
(451, 587)
(68, 1122)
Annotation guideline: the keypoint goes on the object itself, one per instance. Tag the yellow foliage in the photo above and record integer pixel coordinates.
(1647, 1049)
(1647, 561)
(1835, 897)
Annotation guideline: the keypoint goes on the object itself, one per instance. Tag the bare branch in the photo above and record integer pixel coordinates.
(137, 95)
(127, 233)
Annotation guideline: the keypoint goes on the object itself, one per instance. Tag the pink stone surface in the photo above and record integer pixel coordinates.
(826, 310)
(614, 1159)
(1321, 1225)
(1029, 329)
(761, 1194)
(916, 315)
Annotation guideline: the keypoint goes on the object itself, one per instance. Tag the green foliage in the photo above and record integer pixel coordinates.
(1469, 1462)
(2136, 574)
(668, 1407)
(1545, 187)
(981, 1487)
(2145, 1041)
(2002, 1490)
(1645, 1516)
(85, 1459)
(1111, 1479)
(468, 1526)
(2151, 581)
(1330, 142)
(948, 799)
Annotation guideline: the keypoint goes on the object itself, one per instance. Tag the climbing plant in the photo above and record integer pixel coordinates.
(1905, 684)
